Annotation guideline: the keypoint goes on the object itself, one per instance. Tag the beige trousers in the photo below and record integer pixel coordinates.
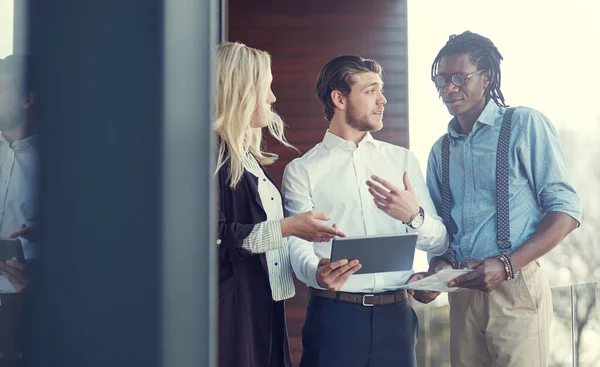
(507, 327)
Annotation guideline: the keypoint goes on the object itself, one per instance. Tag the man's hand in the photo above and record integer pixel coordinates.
(28, 232)
(421, 296)
(488, 275)
(395, 202)
(333, 275)
(310, 226)
(16, 273)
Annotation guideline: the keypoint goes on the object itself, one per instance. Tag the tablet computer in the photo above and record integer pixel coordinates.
(377, 254)
(11, 249)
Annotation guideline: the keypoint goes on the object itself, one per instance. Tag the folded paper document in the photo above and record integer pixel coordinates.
(437, 282)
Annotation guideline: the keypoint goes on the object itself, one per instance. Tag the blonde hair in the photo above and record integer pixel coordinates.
(242, 87)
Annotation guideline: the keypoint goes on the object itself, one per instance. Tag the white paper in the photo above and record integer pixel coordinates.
(437, 282)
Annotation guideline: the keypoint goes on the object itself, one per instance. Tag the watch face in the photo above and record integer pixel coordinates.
(417, 221)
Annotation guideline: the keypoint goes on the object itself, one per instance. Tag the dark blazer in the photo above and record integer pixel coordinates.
(249, 319)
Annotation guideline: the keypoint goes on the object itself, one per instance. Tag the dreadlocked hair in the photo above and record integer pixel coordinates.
(482, 53)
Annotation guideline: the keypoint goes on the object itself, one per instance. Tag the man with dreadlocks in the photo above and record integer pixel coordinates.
(499, 179)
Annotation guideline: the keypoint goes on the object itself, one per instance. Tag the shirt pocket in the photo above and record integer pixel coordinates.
(484, 169)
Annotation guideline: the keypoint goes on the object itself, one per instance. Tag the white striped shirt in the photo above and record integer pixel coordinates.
(266, 236)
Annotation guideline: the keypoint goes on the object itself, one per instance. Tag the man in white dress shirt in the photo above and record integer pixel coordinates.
(368, 187)
(18, 179)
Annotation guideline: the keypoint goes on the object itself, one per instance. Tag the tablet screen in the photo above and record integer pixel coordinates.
(377, 254)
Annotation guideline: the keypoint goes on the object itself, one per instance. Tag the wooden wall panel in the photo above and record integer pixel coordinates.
(302, 36)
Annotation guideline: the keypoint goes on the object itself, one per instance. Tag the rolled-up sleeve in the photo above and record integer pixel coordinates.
(545, 164)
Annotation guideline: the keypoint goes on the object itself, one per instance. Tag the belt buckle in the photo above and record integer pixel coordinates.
(364, 297)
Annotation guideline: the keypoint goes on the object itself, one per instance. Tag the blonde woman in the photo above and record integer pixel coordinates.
(255, 275)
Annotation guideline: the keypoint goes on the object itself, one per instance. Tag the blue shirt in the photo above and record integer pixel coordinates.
(539, 181)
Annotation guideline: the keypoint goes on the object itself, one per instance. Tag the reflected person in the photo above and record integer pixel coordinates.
(18, 185)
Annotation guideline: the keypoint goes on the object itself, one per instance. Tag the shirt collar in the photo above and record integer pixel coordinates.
(28, 142)
(490, 113)
(332, 141)
(488, 116)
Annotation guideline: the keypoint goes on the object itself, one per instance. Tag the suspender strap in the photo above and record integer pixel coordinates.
(446, 185)
(502, 184)
(502, 207)
(451, 227)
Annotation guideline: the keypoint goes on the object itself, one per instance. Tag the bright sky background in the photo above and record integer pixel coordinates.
(6, 27)
(550, 51)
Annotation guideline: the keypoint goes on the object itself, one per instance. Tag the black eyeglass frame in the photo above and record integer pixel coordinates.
(465, 77)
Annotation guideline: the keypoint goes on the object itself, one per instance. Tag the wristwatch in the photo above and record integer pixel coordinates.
(417, 221)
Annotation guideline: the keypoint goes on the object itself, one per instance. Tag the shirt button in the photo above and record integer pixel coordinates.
(218, 241)
(272, 199)
(468, 230)
(468, 172)
(468, 201)
(264, 179)
(276, 264)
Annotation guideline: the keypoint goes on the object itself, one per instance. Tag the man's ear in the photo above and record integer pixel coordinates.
(339, 100)
(30, 100)
(487, 78)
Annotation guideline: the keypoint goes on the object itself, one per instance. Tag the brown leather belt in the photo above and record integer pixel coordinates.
(360, 298)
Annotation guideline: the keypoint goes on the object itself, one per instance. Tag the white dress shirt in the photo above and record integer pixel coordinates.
(266, 236)
(18, 192)
(331, 178)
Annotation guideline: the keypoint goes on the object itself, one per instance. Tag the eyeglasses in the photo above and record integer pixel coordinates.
(458, 79)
